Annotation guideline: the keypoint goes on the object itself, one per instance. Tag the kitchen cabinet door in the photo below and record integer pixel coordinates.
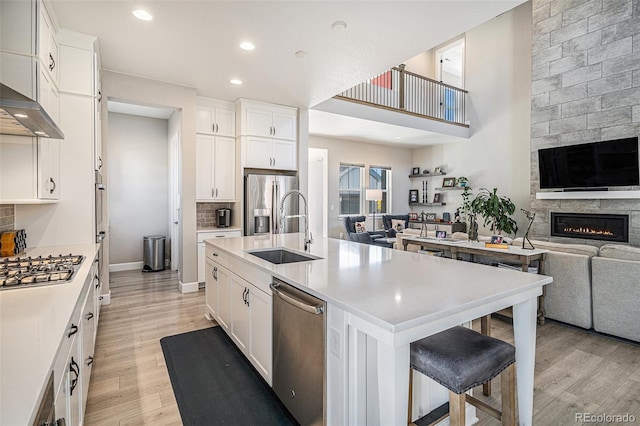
(284, 125)
(48, 95)
(47, 44)
(284, 154)
(224, 298)
(215, 121)
(204, 166)
(211, 287)
(48, 168)
(239, 312)
(259, 122)
(260, 333)
(258, 153)
(88, 326)
(224, 168)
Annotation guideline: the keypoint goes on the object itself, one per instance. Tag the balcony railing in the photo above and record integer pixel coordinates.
(406, 92)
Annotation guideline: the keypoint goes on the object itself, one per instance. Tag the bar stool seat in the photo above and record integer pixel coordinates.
(460, 359)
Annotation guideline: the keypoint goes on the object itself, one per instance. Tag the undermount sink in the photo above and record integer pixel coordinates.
(280, 255)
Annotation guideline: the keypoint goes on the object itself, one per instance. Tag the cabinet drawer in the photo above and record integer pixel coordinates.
(218, 234)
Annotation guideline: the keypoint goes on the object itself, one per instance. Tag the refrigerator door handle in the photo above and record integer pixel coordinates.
(275, 199)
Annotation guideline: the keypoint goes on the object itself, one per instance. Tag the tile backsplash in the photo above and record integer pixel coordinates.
(7, 217)
(206, 214)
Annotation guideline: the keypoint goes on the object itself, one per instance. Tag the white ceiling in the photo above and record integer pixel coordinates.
(195, 43)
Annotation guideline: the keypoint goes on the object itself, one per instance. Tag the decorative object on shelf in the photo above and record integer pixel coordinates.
(530, 216)
(462, 182)
(497, 245)
(413, 195)
(415, 171)
(424, 191)
(496, 210)
(413, 216)
(473, 227)
(436, 197)
(423, 224)
(449, 182)
(465, 208)
(456, 216)
(446, 217)
(496, 239)
(430, 217)
(436, 170)
(441, 234)
(425, 171)
(374, 195)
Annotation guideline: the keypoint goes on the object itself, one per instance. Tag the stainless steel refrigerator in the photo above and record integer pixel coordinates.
(262, 195)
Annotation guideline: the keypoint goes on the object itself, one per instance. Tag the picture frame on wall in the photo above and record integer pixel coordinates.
(413, 196)
(436, 197)
(431, 217)
(413, 216)
(448, 182)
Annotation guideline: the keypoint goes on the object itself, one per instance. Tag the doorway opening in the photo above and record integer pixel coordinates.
(143, 175)
(450, 64)
(318, 175)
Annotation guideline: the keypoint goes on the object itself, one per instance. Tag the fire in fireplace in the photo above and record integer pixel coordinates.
(604, 227)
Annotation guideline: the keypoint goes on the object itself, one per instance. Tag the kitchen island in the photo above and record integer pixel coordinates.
(380, 300)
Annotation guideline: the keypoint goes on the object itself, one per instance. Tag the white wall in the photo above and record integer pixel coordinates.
(399, 159)
(143, 91)
(498, 78)
(137, 185)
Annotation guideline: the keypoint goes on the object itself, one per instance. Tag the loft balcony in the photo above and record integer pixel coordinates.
(403, 98)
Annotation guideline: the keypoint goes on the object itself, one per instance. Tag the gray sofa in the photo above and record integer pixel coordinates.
(616, 291)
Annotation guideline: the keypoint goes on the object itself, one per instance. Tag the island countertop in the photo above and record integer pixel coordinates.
(33, 321)
(393, 289)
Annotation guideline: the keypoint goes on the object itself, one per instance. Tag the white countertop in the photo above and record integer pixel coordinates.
(33, 322)
(391, 288)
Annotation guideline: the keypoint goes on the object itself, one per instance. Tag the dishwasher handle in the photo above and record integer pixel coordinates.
(290, 299)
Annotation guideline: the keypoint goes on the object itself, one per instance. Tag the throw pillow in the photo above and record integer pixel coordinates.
(360, 228)
(397, 224)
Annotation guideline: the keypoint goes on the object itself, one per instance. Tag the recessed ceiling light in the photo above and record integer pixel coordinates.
(339, 26)
(142, 14)
(247, 45)
(20, 115)
(235, 81)
(301, 54)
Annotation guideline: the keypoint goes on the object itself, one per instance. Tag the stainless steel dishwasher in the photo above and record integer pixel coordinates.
(299, 330)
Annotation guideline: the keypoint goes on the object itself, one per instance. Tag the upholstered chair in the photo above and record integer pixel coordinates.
(366, 237)
(387, 222)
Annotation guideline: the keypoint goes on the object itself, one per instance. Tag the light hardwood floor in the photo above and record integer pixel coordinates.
(576, 371)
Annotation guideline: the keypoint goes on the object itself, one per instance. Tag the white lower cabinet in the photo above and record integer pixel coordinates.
(205, 236)
(243, 310)
(73, 363)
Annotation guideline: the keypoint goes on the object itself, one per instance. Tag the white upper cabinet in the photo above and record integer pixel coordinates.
(215, 168)
(47, 44)
(274, 121)
(216, 121)
(48, 168)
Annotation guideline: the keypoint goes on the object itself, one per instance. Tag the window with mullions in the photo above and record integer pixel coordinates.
(350, 189)
(380, 178)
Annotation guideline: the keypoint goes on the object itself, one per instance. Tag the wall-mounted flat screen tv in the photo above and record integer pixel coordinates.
(590, 165)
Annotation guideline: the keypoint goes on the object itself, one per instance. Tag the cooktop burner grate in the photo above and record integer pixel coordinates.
(19, 272)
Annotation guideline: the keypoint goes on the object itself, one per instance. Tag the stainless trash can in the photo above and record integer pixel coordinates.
(153, 254)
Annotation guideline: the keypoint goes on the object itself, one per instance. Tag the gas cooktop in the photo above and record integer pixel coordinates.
(20, 272)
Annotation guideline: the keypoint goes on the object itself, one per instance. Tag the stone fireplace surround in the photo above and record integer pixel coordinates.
(585, 88)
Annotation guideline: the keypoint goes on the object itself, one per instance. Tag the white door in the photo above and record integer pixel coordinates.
(174, 198)
(318, 197)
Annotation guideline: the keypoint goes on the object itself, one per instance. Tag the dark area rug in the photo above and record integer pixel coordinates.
(214, 384)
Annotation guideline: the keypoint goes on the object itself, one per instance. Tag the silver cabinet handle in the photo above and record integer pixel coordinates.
(212, 193)
(213, 128)
(216, 127)
(214, 273)
(52, 188)
(313, 309)
(216, 192)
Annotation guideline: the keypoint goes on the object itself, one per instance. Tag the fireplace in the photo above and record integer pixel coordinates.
(603, 227)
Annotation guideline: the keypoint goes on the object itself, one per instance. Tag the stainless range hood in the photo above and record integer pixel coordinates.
(22, 116)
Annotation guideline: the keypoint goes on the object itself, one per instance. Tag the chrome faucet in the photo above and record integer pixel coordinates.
(308, 238)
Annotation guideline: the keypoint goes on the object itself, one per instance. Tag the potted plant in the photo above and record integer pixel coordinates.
(465, 208)
(496, 210)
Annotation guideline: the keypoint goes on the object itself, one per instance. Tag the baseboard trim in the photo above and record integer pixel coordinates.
(188, 287)
(131, 266)
(105, 299)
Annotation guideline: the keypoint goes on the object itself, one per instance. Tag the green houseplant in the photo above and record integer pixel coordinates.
(496, 210)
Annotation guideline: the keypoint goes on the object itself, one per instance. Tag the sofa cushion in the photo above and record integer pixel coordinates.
(618, 251)
(360, 229)
(564, 248)
(397, 225)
